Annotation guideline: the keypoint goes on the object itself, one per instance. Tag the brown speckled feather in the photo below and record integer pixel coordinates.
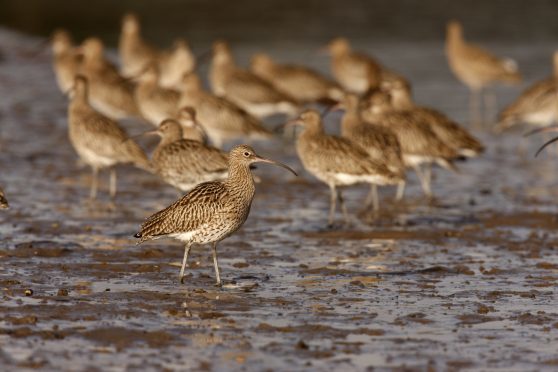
(99, 140)
(194, 210)
(186, 163)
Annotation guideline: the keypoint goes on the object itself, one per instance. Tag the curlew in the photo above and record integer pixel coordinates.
(447, 130)
(356, 72)
(66, 59)
(212, 211)
(420, 146)
(109, 92)
(300, 82)
(99, 141)
(379, 142)
(222, 120)
(477, 68)
(536, 106)
(246, 89)
(135, 54)
(337, 161)
(191, 128)
(185, 163)
(175, 64)
(155, 103)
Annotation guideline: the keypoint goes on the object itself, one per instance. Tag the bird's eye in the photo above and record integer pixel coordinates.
(247, 154)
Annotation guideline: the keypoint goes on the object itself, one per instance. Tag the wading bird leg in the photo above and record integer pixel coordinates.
(94, 175)
(332, 204)
(216, 264)
(112, 184)
(343, 207)
(400, 193)
(184, 261)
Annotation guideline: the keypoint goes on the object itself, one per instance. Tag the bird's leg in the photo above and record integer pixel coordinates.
(93, 192)
(184, 261)
(474, 108)
(400, 191)
(423, 178)
(112, 184)
(343, 207)
(490, 105)
(428, 180)
(332, 204)
(372, 199)
(216, 264)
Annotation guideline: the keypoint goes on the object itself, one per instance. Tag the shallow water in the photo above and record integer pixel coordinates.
(467, 282)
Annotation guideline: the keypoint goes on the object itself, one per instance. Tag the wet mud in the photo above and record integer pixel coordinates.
(467, 281)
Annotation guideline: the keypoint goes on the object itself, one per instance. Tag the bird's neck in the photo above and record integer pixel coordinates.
(240, 182)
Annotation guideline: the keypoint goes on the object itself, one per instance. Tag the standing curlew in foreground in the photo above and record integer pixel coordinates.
(356, 72)
(337, 161)
(379, 142)
(247, 90)
(185, 163)
(99, 141)
(300, 82)
(419, 143)
(3, 201)
(66, 59)
(446, 129)
(212, 211)
(222, 120)
(477, 68)
(537, 105)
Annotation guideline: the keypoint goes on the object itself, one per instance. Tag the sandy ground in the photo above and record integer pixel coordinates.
(464, 283)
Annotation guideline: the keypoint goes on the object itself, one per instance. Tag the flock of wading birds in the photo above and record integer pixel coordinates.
(383, 132)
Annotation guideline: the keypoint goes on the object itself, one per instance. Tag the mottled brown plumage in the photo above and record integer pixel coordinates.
(476, 67)
(155, 102)
(356, 72)
(451, 133)
(245, 89)
(222, 120)
(99, 141)
(337, 161)
(212, 211)
(379, 142)
(191, 128)
(109, 93)
(300, 82)
(135, 53)
(419, 143)
(66, 59)
(185, 163)
(537, 105)
(174, 64)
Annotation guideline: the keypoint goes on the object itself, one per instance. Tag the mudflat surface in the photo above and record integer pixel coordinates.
(462, 283)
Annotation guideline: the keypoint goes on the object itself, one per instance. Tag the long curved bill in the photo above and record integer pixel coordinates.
(550, 128)
(269, 161)
(147, 133)
(545, 145)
